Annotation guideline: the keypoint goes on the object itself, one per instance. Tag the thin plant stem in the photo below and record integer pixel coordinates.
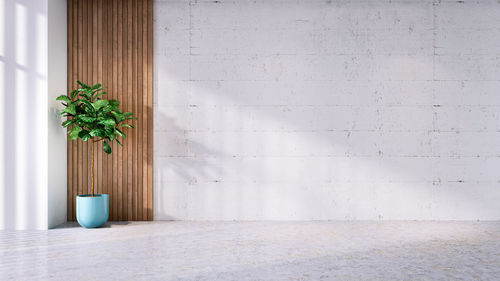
(92, 172)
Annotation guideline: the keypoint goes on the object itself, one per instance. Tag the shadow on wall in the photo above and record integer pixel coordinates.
(332, 120)
(176, 160)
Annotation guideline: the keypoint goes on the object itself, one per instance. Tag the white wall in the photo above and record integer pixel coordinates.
(57, 151)
(32, 148)
(275, 109)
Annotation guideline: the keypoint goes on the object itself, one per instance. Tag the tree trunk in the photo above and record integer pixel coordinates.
(92, 171)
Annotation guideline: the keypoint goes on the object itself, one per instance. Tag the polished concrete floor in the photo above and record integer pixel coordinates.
(255, 251)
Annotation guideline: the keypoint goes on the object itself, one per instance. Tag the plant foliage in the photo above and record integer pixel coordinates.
(93, 118)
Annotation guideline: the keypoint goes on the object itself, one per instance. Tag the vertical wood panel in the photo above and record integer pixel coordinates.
(103, 78)
(83, 151)
(74, 145)
(79, 189)
(110, 83)
(149, 107)
(135, 187)
(114, 172)
(129, 108)
(99, 75)
(120, 69)
(134, 107)
(111, 42)
(139, 109)
(144, 111)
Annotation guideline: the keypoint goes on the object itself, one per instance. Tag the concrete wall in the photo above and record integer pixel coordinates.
(32, 148)
(293, 110)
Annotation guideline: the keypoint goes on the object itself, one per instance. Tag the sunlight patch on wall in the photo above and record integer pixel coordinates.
(276, 161)
(2, 29)
(42, 109)
(21, 18)
(42, 152)
(41, 43)
(2, 136)
(21, 139)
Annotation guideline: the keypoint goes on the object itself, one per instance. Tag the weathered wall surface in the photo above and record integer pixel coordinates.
(327, 110)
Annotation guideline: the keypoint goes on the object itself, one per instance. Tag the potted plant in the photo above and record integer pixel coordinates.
(93, 119)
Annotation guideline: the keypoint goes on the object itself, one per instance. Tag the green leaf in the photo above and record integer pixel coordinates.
(100, 94)
(89, 110)
(126, 125)
(107, 122)
(111, 135)
(114, 103)
(120, 133)
(63, 98)
(118, 117)
(67, 123)
(106, 147)
(87, 103)
(127, 114)
(96, 86)
(85, 93)
(94, 91)
(118, 142)
(70, 109)
(98, 104)
(84, 135)
(83, 85)
(73, 134)
(73, 94)
(98, 133)
(86, 118)
(109, 131)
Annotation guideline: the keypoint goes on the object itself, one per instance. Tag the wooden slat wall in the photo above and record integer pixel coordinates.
(111, 42)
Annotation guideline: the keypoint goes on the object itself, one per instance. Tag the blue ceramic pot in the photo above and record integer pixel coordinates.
(92, 211)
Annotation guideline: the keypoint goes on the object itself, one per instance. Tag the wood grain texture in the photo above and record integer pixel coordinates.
(111, 42)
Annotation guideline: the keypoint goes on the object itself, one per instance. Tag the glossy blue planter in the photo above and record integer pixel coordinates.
(92, 211)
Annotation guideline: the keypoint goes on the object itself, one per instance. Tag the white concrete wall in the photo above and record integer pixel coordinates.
(32, 149)
(291, 110)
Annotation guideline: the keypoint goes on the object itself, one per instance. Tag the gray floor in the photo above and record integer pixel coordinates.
(255, 251)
